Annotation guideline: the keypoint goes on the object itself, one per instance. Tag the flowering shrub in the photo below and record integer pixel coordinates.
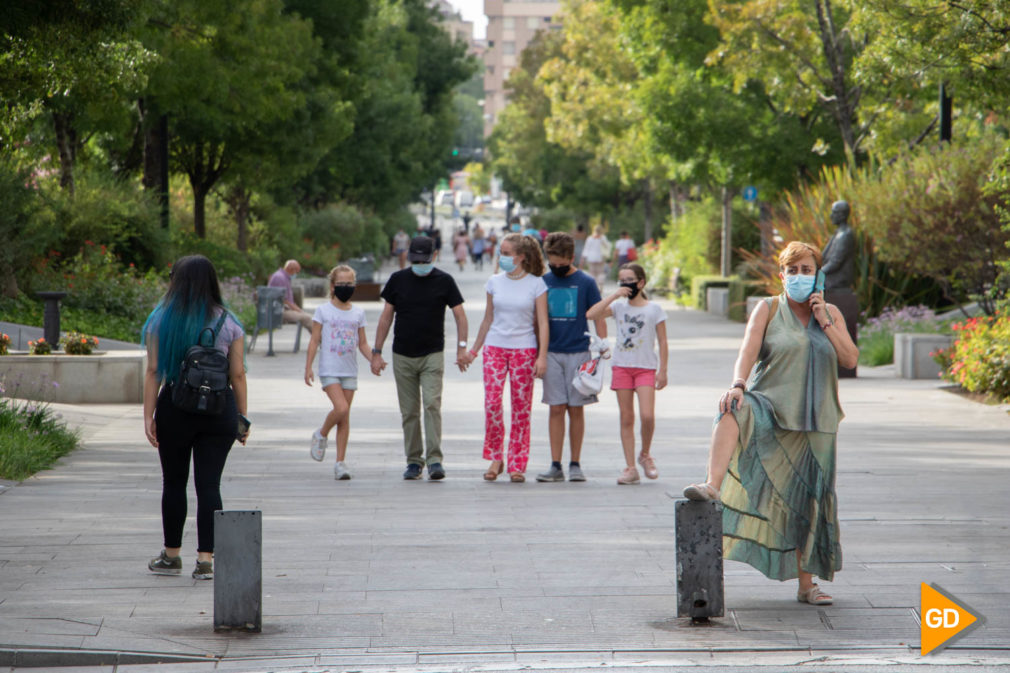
(75, 343)
(237, 293)
(5, 342)
(979, 360)
(40, 347)
(876, 337)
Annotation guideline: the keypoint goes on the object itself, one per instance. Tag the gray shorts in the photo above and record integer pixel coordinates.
(558, 388)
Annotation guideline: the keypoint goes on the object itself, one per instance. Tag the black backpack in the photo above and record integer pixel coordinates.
(203, 376)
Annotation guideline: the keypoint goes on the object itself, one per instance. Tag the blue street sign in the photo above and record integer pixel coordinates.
(750, 194)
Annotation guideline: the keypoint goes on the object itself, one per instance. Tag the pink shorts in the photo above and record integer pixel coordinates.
(629, 378)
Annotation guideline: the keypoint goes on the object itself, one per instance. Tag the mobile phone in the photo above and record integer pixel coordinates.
(819, 282)
(243, 427)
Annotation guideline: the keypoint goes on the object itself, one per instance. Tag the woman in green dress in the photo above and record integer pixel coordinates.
(772, 458)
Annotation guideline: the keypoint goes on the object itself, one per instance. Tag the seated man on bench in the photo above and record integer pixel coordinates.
(282, 278)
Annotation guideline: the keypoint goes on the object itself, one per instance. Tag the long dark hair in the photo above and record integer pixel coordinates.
(193, 295)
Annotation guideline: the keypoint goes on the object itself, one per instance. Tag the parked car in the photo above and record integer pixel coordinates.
(443, 198)
(464, 199)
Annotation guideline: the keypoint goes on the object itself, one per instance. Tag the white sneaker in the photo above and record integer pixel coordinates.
(318, 447)
(340, 471)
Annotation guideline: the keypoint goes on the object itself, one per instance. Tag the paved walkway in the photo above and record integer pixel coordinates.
(467, 575)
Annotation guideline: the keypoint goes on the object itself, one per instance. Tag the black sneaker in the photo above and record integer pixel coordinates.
(204, 570)
(165, 565)
(413, 471)
(436, 471)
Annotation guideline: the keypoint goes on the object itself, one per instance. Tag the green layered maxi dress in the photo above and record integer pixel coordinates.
(779, 493)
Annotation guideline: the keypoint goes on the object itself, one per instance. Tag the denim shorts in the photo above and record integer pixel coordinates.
(346, 382)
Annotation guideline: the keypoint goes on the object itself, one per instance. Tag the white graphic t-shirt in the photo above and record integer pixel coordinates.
(636, 334)
(338, 350)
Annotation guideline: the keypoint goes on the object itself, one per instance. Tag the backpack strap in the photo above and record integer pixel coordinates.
(215, 330)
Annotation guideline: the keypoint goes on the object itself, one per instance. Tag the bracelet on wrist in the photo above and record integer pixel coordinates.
(473, 352)
(739, 384)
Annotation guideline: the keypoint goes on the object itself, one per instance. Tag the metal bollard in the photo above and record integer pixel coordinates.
(238, 570)
(699, 560)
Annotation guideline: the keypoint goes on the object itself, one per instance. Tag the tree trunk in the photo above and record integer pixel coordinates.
(200, 211)
(8, 282)
(239, 203)
(647, 210)
(66, 143)
(844, 100)
(726, 263)
(152, 148)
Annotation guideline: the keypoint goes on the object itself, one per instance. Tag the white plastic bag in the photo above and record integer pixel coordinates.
(589, 379)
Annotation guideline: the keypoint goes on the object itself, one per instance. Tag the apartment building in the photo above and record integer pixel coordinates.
(461, 31)
(511, 25)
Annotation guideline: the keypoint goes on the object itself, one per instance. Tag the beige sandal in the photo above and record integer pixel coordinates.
(701, 492)
(814, 596)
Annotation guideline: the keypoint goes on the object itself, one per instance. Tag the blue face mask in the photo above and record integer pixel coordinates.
(799, 287)
(515, 227)
(422, 269)
(507, 263)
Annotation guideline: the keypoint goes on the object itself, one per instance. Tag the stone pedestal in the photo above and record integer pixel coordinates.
(848, 304)
(699, 559)
(238, 570)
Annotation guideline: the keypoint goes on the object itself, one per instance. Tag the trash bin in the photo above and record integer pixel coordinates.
(364, 268)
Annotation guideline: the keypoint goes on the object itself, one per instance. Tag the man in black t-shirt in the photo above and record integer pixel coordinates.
(418, 297)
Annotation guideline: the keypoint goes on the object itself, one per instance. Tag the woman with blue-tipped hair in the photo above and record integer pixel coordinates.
(192, 304)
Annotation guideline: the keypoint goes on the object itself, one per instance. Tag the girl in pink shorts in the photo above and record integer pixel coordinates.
(636, 367)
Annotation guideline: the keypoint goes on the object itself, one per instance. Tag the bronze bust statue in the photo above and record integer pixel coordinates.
(840, 252)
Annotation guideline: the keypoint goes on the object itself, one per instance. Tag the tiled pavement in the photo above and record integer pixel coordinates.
(378, 573)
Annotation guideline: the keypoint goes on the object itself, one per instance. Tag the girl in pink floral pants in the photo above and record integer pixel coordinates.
(517, 364)
(514, 336)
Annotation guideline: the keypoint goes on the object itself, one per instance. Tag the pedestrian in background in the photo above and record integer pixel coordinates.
(401, 241)
(477, 247)
(570, 293)
(641, 324)
(417, 298)
(514, 334)
(772, 457)
(594, 255)
(338, 333)
(191, 305)
(624, 249)
(461, 247)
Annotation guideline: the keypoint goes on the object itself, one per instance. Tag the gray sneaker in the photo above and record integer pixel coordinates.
(204, 570)
(553, 474)
(575, 473)
(340, 471)
(163, 564)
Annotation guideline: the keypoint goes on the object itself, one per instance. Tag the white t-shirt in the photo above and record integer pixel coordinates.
(623, 245)
(514, 304)
(338, 350)
(636, 334)
(592, 251)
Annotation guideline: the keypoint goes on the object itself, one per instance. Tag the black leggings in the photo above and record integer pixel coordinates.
(208, 439)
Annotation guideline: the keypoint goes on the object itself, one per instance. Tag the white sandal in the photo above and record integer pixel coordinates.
(814, 596)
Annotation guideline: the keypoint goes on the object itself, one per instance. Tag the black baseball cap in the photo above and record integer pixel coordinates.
(421, 249)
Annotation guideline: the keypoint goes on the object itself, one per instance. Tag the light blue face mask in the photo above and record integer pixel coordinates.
(799, 287)
(507, 263)
(422, 269)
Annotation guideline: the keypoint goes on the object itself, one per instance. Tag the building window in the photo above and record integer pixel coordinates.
(490, 44)
(490, 70)
(505, 73)
(508, 47)
(509, 23)
(532, 22)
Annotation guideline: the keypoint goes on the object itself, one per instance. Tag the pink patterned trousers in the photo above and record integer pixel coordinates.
(517, 364)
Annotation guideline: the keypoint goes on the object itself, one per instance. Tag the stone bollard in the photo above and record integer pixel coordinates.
(699, 560)
(238, 570)
(51, 317)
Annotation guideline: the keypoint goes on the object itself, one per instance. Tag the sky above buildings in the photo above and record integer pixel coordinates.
(473, 10)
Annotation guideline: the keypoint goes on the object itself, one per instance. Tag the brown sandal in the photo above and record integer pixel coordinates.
(491, 474)
(814, 596)
(517, 477)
